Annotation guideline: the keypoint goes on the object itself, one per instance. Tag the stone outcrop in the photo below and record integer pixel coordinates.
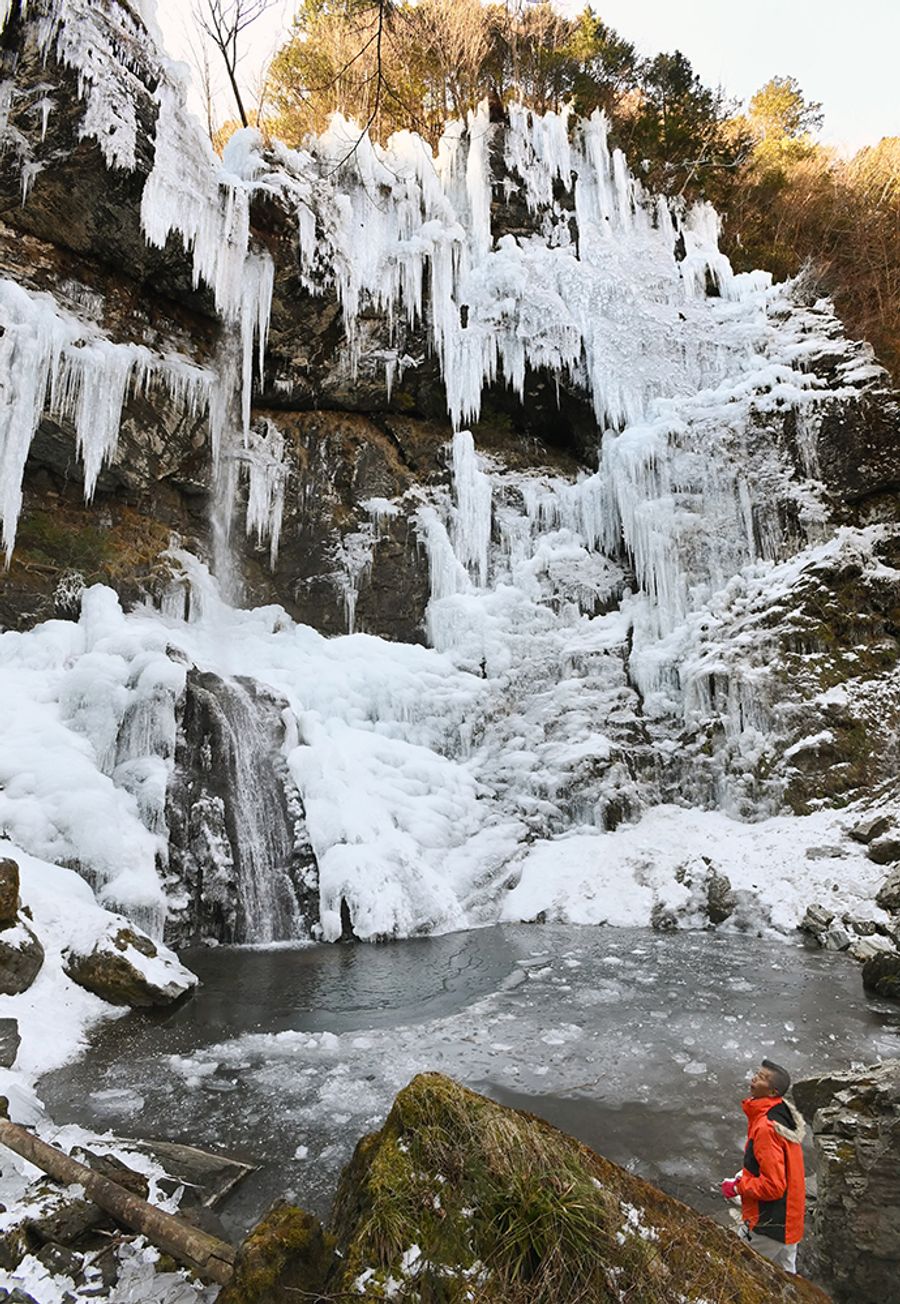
(21, 953)
(888, 896)
(881, 974)
(856, 1130)
(127, 968)
(457, 1193)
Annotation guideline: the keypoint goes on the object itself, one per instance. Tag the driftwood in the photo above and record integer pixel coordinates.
(207, 1255)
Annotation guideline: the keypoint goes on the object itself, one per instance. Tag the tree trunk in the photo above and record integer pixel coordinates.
(208, 1256)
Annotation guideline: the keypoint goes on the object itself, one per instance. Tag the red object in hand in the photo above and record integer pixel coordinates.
(730, 1188)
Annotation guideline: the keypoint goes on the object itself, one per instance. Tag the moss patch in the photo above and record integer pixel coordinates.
(60, 548)
(285, 1259)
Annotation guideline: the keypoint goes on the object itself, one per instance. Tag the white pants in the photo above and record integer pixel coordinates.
(785, 1256)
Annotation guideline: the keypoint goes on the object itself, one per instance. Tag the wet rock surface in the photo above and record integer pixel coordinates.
(240, 862)
(856, 1129)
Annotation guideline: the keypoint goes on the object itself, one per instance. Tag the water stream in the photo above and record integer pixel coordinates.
(638, 1043)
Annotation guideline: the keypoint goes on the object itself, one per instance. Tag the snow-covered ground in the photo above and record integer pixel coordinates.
(54, 1018)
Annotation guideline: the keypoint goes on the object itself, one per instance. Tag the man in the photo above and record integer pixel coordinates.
(771, 1184)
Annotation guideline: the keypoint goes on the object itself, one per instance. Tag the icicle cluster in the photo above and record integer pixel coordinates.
(57, 365)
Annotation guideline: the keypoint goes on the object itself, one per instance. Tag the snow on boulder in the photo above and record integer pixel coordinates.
(21, 957)
(126, 967)
(55, 1013)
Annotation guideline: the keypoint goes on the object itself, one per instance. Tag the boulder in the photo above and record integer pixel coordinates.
(881, 974)
(129, 968)
(720, 897)
(888, 896)
(21, 957)
(864, 948)
(884, 851)
(856, 1219)
(9, 892)
(286, 1257)
(9, 1042)
(816, 921)
(872, 827)
(861, 927)
(457, 1196)
(710, 900)
(836, 938)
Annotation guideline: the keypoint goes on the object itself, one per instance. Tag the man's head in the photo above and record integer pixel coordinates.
(770, 1079)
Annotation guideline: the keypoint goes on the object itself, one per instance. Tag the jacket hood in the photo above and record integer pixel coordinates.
(797, 1132)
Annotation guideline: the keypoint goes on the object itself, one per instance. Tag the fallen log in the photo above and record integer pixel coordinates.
(207, 1255)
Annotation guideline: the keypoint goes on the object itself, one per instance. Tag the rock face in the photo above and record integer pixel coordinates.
(457, 1193)
(856, 1129)
(127, 968)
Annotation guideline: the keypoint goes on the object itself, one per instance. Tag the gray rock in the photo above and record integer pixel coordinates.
(870, 828)
(825, 853)
(9, 892)
(21, 957)
(9, 1042)
(881, 974)
(884, 851)
(856, 1217)
(837, 938)
(889, 893)
(865, 947)
(861, 927)
(720, 896)
(816, 921)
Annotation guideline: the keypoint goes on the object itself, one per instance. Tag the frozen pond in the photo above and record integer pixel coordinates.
(638, 1043)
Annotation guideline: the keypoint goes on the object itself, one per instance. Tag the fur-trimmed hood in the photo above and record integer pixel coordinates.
(797, 1132)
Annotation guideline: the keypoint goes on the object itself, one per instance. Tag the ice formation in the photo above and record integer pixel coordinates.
(58, 365)
(577, 626)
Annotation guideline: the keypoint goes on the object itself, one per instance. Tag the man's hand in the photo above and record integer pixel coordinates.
(730, 1188)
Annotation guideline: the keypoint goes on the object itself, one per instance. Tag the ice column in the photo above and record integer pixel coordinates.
(472, 519)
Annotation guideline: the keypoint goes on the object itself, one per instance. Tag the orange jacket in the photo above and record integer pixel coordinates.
(772, 1185)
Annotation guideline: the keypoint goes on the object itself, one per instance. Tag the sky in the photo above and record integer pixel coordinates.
(844, 55)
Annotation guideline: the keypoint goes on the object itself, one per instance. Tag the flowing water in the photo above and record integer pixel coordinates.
(638, 1043)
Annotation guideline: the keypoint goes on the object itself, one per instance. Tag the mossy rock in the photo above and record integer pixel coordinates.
(286, 1257)
(459, 1199)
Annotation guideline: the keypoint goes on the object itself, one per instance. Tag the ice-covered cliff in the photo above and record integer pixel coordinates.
(497, 401)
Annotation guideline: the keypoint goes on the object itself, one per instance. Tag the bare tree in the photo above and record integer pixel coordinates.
(224, 22)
